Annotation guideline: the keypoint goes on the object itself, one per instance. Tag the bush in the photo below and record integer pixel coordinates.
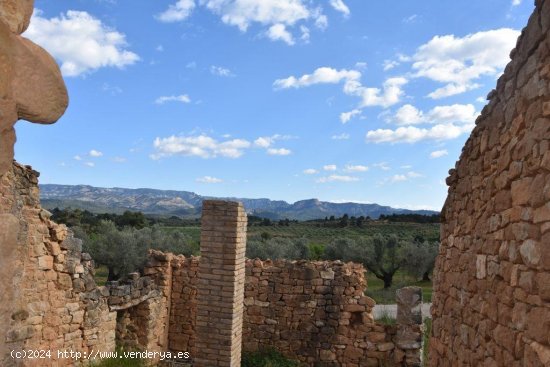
(266, 358)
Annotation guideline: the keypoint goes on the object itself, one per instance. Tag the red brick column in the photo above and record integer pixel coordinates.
(221, 285)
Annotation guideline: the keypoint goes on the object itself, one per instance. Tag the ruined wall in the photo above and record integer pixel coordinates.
(49, 298)
(312, 311)
(492, 279)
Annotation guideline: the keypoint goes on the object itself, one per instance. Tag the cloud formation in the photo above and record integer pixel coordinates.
(202, 146)
(337, 178)
(177, 12)
(184, 98)
(80, 42)
(458, 62)
(209, 180)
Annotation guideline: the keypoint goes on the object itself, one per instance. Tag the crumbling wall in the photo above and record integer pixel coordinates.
(50, 301)
(312, 311)
(492, 279)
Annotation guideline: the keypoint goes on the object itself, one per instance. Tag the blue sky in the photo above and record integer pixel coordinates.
(341, 100)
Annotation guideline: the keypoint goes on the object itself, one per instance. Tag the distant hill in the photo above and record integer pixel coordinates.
(188, 204)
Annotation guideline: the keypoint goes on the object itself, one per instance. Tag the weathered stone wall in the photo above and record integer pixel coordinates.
(317, 312)
(49, 298)
(492, 279)
(312, 311)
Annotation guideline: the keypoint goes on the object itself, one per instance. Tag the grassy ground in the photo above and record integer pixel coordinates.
(427, 332)
(101, 274)
(375, 288)
(266, 358)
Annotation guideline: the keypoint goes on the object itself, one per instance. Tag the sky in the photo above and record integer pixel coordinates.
(340, 100)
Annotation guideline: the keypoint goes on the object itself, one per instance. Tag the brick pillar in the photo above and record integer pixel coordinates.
(221, 285)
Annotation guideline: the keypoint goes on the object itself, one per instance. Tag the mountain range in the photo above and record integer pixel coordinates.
(188, 204)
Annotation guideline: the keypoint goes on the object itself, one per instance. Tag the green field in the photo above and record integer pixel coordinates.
(324, 235)
(375, 288)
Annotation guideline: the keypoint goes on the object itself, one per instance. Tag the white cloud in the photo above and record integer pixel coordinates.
(184, 98)
(202, 146)
(330, 167)
(177, 12)
(119, 160)
(408, 115)
(322, 75)
(404, 177)
(343, 136)
(340, 6)
(346, 116)
(398, 178)
(321, 22)
(412, 134)
(95, 153)
(361, 65)
(77, 158)
(410, 19)
(457, 113)
(390, 95)
(356, 168)
(220, 71)
(390, 64)
(209, 180)
(439, 153)
(337, 178)
(382, 165)
(516, 2)
(278, 32)
(80, 42)
(311, 171)
(263, 142)
(242, 13)
(280, 151)
(90, 164)
(268, 141)
(305, 33)
(458, 62)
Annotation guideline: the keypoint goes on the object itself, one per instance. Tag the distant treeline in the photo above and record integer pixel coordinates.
(412, 218)
(87, 219)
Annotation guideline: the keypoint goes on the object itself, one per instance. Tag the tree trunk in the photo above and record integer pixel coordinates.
(426, 277)
(112, 276)
(388, 280)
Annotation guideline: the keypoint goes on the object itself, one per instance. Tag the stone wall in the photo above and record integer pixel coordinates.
(50, 300)
(492, 280)
(312, 311)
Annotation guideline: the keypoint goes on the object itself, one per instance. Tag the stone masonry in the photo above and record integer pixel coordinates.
(315, 312)
(221, 284)
(491, 304)
(312, 311)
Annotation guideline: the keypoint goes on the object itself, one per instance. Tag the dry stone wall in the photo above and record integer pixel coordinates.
(49, 298)
(312, 311)
(492, 279)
